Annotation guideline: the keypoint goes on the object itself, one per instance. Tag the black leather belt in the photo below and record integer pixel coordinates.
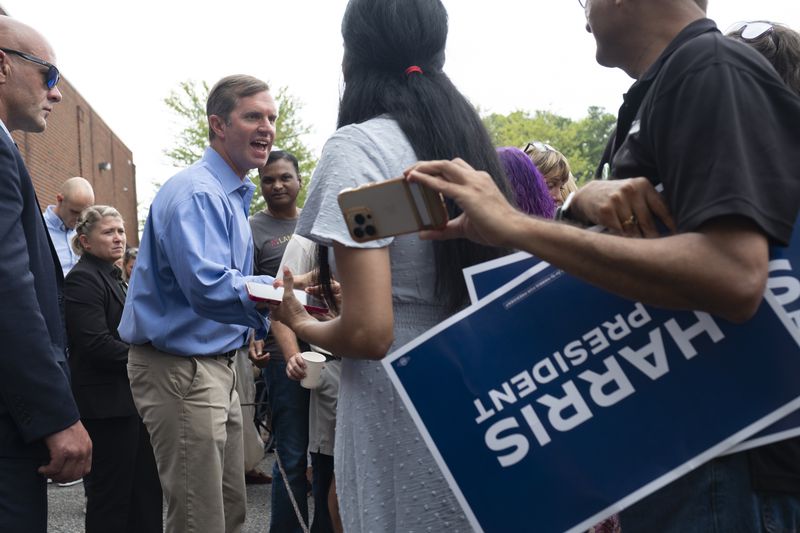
(226, 355)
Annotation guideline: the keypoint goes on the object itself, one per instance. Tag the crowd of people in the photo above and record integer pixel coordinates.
(135, 369)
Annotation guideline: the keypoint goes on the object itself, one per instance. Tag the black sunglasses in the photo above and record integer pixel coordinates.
(52, 77)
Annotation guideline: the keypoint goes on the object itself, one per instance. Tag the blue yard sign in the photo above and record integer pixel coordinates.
(485, 278)
(550, 404)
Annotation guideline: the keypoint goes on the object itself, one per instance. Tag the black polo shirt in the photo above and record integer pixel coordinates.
(714, 123)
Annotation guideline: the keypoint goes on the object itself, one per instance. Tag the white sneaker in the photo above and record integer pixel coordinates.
(71, 483)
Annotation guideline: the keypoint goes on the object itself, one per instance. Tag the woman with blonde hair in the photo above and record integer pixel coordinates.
(123, 491)
(553, 166)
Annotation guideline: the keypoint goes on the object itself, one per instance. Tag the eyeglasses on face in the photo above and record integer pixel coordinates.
(750, 31)
(51, 77)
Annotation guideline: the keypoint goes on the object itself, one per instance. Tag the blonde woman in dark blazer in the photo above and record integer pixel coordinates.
(123, 490)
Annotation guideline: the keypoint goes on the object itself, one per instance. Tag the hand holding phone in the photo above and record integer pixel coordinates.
(391, 207)
(261, 292)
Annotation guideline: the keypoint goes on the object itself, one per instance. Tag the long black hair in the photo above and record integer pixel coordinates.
(382, 38)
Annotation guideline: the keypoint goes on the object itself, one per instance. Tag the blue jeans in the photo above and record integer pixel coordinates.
(289, 404)
(716, 497)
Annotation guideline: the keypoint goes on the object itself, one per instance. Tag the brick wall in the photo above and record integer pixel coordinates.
(75, 142)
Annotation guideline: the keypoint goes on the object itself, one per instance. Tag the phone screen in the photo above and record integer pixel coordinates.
(262, 292)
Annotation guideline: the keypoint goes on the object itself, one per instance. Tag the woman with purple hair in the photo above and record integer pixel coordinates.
(530, 190)
(534, 198)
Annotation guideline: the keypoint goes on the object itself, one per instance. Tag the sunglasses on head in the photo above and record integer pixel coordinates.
(750, 31)
(51, 77)
(539, 146)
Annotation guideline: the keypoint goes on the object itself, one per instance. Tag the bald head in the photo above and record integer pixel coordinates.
(26, 65)
(15, 34)
(75, 196)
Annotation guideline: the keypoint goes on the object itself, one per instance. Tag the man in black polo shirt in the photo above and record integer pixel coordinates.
(712, 122)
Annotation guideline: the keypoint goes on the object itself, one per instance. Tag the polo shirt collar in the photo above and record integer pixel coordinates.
(695, 29)
(633, 98)
(222, 171)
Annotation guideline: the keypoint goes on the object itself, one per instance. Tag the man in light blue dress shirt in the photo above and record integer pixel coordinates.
(75, 196)
(188, 311)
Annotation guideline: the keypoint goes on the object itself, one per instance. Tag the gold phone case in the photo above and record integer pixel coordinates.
(391, 207)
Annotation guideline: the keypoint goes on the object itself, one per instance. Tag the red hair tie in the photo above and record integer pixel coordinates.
(413, 68)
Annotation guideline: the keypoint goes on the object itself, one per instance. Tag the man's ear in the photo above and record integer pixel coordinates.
(59, 198)
(217, 125)
(5, 67)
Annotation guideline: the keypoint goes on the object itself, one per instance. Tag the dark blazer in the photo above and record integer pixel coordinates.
(35, 396)
(98, 358)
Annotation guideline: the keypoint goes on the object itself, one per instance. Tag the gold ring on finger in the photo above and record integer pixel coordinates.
(630, 221)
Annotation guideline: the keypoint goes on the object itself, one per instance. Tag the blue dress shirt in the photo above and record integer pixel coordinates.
(62, 239)
(188, 294)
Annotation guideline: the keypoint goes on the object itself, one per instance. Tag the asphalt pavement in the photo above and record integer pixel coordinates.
(66, 505)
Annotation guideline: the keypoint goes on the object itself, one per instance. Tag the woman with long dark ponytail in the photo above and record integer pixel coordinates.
(398, 107)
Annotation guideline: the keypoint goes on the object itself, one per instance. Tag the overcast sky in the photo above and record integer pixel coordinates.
(125, 57)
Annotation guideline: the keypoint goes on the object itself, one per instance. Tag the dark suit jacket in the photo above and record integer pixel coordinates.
(35, 396)
(97, 357)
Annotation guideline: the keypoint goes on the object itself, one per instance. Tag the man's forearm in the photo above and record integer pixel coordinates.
(286, 339)
(720, 269)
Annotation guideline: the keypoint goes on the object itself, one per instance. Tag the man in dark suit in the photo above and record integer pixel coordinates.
(40, 432)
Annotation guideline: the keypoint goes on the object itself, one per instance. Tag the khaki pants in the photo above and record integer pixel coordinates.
(192, 412)
(246, 389)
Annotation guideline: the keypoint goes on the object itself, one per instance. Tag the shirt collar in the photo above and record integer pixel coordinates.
(632, 100)
(695, 29)
(53, 219)
(3, 125)
(222, 171)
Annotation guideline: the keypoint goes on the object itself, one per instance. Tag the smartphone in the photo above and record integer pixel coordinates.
(261, 292)
(391, 207)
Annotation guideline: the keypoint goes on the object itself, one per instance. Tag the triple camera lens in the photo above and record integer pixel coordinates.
(364, 227)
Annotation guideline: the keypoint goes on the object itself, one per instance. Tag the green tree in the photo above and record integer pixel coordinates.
(581, 141)
(188, 103)
(291, 131)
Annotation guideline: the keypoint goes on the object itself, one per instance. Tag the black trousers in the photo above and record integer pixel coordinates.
(23, 496)
(322, 472)
(123, 491)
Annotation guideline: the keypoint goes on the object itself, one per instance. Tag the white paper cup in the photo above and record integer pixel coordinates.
(314, 363)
